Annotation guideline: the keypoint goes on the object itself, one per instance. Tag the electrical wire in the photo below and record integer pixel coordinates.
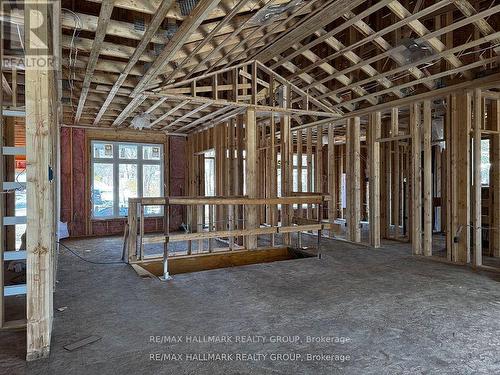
(87, 260)
(73, 53)
(20, 188)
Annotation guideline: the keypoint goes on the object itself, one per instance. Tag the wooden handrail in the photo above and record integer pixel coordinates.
(237, 200)
(136, 207)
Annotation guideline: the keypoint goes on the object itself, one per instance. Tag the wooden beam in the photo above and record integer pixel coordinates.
(371, 38)
(286, 152)
(463, 125)
(427, 180)
(153, 26)
(320, 19)
(104, 17)
(461, 69)
(41, 130)
(283, 25)
(483, 82)
(188, 26)
(208, 38)
(477, 259)
(494, 122)
(416, 188)
(419, 28)
(258, 107)
(396, 186)
(374, 132)
(353, 166)
(481, 24)
(332, 204)
(129, 109)
(5, 85)
(251, 175)
(189, 114)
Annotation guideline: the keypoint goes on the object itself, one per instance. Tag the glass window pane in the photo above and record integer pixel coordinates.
(485, 162)
(151, 152)
(152, 186)
(127, 151)
(304, 179)
(127, 186)
(209, 177)
(103, 150)
(102, 190)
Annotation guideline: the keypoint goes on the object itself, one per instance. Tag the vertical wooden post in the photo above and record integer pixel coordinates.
(463, 119)
(386, 195)
(251, 175)
(309, 168)
(341, 170)
(494, 120)
(416, 179)
(299, 168)
(273, 176)
(427, 171)
(353, 180)
(332, 190)
(286, 155)
(396, 191)
(478, 120)
(319, 167)
(374, 131)
(450, 144)
(230, 179)
(41, 127)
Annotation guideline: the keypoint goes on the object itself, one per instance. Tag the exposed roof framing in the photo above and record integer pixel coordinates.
(200, 13)
(104, 17)
(231, 59)
(339, 56)
(146, 39)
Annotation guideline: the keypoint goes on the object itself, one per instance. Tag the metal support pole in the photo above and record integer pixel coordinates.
(320, 215)
(166, 230)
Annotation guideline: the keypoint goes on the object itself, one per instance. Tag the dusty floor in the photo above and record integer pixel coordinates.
(400, 315)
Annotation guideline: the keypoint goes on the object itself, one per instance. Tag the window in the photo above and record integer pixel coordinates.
(485, 162)
(125, 170)
(295, 177)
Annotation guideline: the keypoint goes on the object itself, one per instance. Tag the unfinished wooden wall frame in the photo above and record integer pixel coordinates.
(343, 76)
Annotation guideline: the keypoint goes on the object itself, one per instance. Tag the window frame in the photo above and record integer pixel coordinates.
(116, 161)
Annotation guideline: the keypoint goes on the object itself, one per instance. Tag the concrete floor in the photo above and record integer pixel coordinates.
(401, 314)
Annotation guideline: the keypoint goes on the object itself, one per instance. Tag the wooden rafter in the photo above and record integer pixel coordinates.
(208, 38)
(308, 45)
(419, 28)
(229, 60)
(129, 109)
(198, 15)
(104, 17)
(5, 85)
(146, 39)
(422, 61)
(187, 115)
(482, 25)
(411, 65)
(329, 14)
(170, 112)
